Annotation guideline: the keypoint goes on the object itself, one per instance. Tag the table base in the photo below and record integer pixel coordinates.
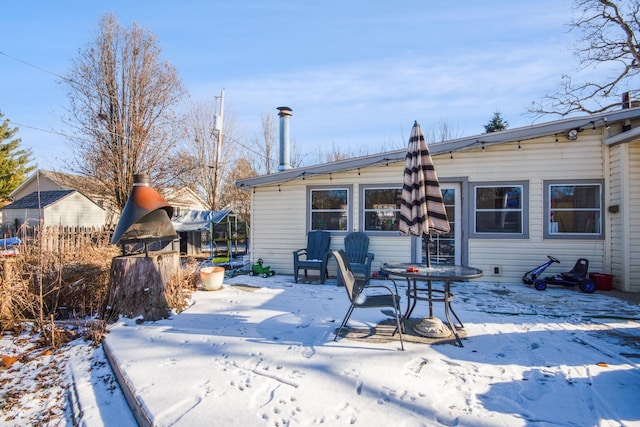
(432, 327)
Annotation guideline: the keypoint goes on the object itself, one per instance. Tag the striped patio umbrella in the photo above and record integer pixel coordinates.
(422, 209)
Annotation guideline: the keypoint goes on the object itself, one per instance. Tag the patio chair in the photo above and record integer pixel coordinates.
(356, 245)
(361, 297)
(314, 256)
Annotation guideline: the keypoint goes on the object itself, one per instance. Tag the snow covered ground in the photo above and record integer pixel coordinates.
(261, 352)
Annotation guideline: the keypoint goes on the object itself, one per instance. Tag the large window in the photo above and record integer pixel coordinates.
(329, 209)
(500, 210)
(381, 209)
(573, 209)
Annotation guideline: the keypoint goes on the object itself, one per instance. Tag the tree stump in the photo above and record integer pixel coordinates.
(137, 286)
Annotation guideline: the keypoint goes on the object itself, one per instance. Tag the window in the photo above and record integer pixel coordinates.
(381, 209)
(329, 209)
(573, 209)
(500, 210)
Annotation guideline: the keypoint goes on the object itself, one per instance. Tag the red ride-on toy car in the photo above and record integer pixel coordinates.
(577, 276)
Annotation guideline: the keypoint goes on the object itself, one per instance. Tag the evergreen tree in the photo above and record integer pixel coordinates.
(14, 162)
(496, 124)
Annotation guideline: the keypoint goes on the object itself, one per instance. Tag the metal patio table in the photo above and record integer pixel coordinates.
(418, 275)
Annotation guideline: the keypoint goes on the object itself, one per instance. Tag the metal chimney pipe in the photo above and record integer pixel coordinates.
(285, 148)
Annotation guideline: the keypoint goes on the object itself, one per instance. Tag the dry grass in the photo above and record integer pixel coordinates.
(178, 290)
(44, 287)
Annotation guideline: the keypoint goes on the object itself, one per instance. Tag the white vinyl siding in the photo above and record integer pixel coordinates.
(616, 224)
(73, 210)
(279, 212)
(634, 217)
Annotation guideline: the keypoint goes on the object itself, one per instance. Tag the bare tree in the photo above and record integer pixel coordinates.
(122, 97)
(264, 153)
(203, 166)
(609, 42)
(236, 199)
(443, 132)
(335, 153)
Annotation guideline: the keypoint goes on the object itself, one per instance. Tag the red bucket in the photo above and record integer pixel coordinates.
(604, 282)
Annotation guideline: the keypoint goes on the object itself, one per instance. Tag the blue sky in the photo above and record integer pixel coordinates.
(356, 73)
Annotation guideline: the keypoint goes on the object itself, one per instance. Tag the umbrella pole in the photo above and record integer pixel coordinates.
(427, 251)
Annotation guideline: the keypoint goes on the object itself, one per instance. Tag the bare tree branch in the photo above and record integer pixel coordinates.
(122, 98)
(608, 42)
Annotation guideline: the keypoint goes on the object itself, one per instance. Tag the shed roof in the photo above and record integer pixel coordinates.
(32, 201)
(196, 220)
(558, 127)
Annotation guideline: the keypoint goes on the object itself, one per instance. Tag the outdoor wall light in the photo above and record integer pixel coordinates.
(572, 135)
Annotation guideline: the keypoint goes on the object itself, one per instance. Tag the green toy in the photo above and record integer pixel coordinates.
(260, 270)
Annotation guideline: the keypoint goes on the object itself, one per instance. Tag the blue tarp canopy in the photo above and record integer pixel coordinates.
(195, 220)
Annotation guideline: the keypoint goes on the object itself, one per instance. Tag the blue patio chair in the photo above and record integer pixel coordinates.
(314, 256)
(356, 245)
(360, 295)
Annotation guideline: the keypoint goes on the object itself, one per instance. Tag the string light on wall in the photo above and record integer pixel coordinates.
(556, 138)
(519, 146)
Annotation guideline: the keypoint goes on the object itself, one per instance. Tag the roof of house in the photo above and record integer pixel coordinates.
(183, 196)
(32, 201)
(91, 188)
(66, 181)
(558, 127)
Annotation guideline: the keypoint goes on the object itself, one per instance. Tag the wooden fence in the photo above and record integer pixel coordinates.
(65, 238)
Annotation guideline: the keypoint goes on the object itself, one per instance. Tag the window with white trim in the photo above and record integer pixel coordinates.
(329, 209)
(500, 210)
(573, 209)
(381, 208)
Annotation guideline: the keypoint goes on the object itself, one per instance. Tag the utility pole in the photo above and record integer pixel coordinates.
(216, 167)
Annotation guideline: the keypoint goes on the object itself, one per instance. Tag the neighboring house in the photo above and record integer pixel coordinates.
(183, 199)
(44, 180)
(180, 199)
(566, 188)
(55, 208)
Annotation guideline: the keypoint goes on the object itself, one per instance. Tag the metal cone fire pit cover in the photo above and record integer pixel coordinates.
(146, 216)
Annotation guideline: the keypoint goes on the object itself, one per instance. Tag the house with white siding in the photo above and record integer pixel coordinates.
(566, 188)
(181, 199)
(64, 208)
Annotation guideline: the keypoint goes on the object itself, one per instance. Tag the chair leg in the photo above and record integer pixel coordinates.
(399, 324)
(344, 322)
(400, 327)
